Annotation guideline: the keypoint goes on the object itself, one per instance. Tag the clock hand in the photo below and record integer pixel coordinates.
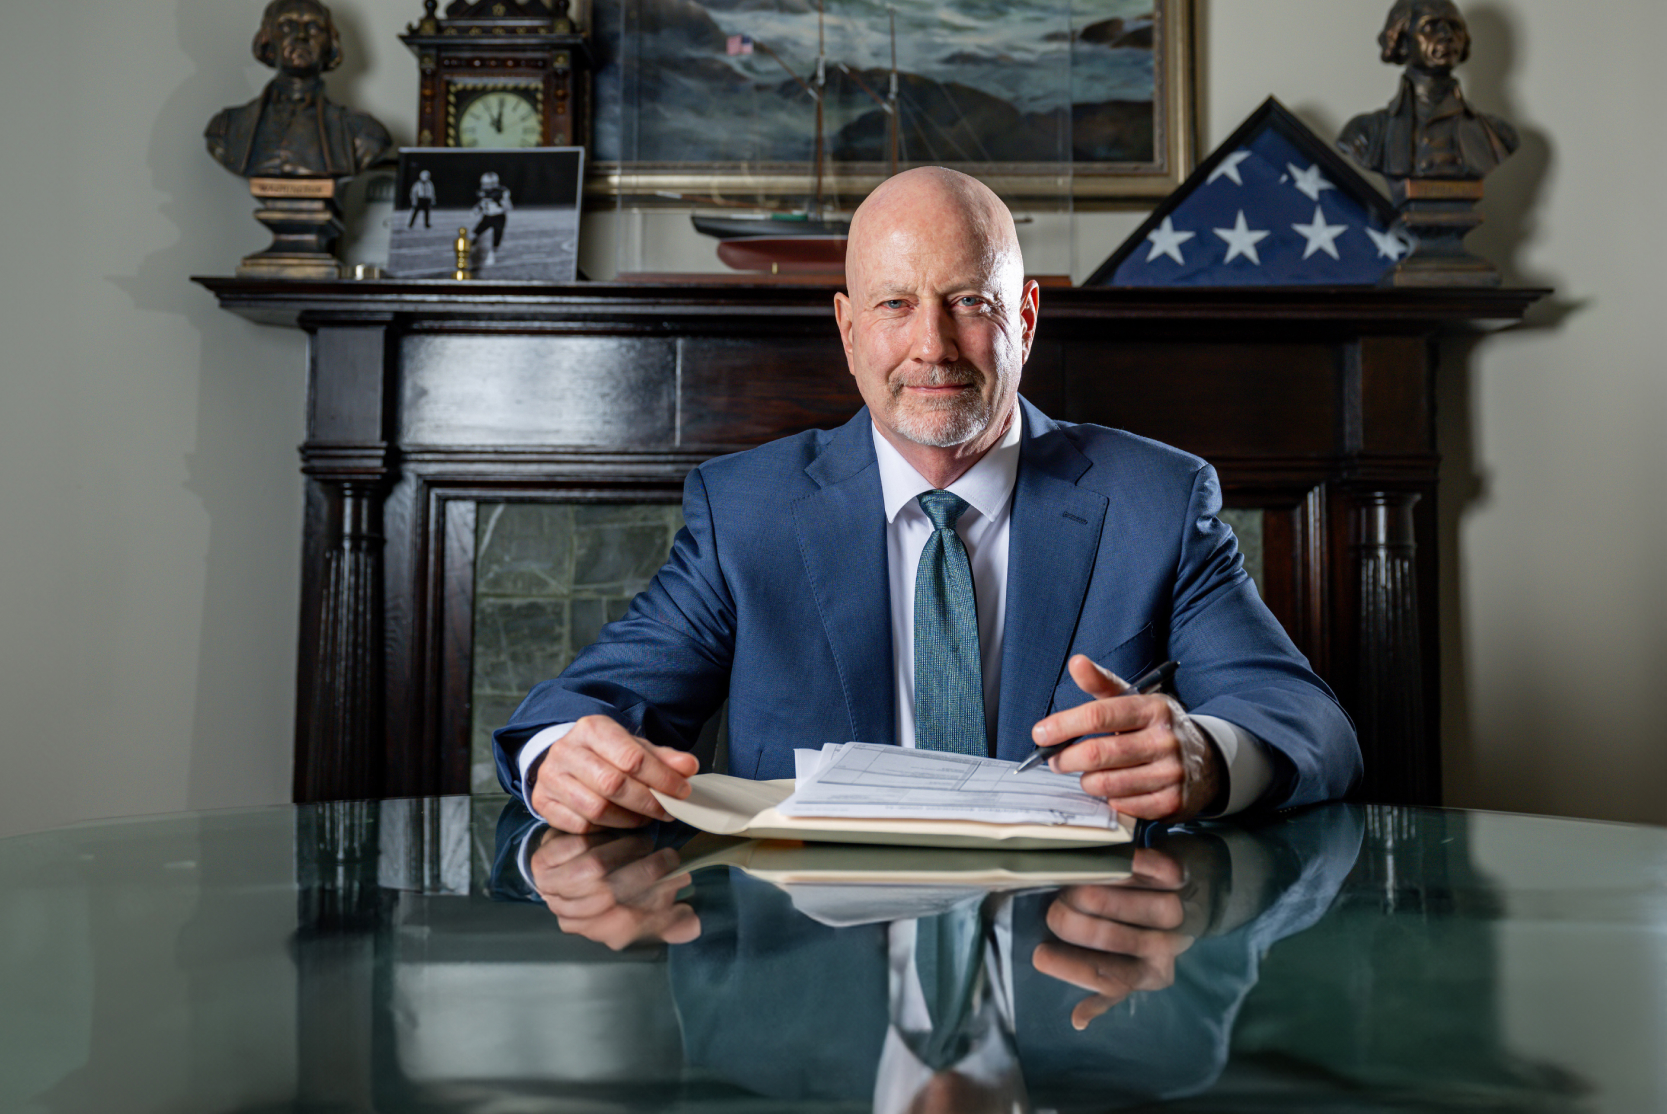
(498, 120)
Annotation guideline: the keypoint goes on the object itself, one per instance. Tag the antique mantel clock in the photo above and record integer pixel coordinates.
(500, 73)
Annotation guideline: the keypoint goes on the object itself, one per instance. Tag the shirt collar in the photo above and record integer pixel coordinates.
(986, 486)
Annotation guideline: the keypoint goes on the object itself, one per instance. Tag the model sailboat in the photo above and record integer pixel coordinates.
(797, 243)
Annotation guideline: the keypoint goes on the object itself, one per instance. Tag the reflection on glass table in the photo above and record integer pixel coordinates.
(453, 954)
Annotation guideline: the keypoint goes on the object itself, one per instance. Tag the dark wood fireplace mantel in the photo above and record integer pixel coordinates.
(427, 398)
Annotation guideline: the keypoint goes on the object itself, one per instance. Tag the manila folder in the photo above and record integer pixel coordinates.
(733, 806)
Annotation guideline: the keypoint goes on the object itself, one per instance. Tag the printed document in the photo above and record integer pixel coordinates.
(866, 780)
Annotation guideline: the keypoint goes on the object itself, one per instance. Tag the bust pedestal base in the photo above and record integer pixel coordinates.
(305, 222)
(1438, 214)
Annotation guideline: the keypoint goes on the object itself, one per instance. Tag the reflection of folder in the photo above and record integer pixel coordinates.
(734, 806)
(788, 864)
(844, 884)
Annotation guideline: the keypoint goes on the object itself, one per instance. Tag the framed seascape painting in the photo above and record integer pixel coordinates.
(778, 102)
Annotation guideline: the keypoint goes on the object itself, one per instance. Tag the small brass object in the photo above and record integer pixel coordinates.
(461, 246)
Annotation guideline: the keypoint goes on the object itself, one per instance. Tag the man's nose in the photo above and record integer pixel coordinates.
(935, 335)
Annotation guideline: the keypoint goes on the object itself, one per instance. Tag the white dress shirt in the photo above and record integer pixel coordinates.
(987, 487)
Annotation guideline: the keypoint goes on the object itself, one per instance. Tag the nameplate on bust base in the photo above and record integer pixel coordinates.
(294, 187)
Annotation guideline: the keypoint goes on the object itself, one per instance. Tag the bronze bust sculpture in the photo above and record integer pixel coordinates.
(1428, 130)
(292, 130)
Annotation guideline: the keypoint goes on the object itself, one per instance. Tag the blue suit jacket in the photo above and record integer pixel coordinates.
(775, 595)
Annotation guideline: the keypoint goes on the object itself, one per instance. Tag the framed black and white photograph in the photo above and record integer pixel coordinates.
(518, 208)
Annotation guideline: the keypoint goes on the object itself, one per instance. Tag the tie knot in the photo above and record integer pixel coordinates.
(944, 508)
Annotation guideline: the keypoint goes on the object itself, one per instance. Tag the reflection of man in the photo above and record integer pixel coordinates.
(292, 129)
(1428, 131)
(422, 199)
(951, 568)
(1124, 993)
(492, 206)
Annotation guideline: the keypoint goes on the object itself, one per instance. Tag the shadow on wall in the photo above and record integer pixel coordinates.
(250, 395)
(1513, 212)
(1513, 191)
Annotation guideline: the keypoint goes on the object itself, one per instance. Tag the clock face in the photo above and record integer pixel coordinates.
(501, 118)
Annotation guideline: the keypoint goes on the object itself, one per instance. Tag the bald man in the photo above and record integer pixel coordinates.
(793, 589)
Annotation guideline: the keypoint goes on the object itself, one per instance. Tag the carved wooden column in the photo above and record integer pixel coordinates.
(1389, 700)
(339, 723)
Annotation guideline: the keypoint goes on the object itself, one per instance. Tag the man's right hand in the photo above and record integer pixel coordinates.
(598, 776)
(1115, 940)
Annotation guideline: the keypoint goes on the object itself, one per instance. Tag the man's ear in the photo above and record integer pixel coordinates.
(845, 316)
(1030, 308)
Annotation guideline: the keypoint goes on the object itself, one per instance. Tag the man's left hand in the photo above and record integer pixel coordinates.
(1147, 758)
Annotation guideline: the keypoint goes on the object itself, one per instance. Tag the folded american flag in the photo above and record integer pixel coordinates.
(1272, 206)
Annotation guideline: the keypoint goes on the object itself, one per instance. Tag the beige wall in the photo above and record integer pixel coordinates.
(1554, 504)
(148, 484)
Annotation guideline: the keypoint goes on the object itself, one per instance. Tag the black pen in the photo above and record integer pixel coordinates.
(1150, 681)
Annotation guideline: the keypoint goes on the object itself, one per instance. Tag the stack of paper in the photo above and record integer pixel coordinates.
(895, 783)
(863, 793)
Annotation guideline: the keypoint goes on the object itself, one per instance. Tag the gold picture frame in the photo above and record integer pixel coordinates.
(1081, 183)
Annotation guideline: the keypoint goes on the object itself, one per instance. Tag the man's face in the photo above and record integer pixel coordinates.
(301, 37)
(937, 325)
(1439, 39)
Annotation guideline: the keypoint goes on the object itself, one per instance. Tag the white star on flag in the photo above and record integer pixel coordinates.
(1229, 168)
(1241, 241)
(1320, 235)
(1167, 241)
(1390, 245)
(1309, 181)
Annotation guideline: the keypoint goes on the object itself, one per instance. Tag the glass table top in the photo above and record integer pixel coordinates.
(450, 955)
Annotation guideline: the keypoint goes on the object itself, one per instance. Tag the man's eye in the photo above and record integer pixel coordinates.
(892, 303)
(969, 300)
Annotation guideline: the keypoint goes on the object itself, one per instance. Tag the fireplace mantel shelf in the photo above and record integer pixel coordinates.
(275, 302)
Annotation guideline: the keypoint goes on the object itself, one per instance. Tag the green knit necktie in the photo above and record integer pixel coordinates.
(949, 674)
(949, 959)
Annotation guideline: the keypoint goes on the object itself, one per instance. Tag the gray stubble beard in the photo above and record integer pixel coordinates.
(968, 414)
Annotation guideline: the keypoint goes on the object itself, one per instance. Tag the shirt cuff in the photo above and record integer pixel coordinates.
(1243, 759)
(532, 751)
(524, 856)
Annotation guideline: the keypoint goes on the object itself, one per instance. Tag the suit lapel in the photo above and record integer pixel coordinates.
(1052, 543)
(842, 539)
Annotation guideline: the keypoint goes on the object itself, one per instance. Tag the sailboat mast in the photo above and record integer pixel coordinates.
(821, 91)
(891, 115)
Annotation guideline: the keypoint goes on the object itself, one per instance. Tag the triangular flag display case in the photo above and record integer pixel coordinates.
(1274, 205)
